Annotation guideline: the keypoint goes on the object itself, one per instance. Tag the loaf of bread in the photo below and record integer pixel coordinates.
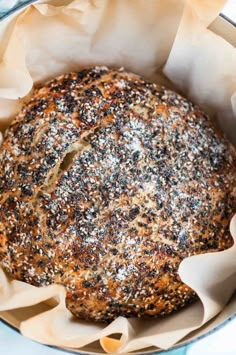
(107, 182)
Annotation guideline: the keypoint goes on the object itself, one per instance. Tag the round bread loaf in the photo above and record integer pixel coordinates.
(107, 183)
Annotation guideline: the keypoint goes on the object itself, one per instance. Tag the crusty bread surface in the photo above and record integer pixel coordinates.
(107, 182)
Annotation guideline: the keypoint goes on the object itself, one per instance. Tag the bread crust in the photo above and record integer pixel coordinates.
(107, 183)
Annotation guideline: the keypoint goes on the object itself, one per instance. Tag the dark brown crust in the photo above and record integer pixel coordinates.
(107, 183)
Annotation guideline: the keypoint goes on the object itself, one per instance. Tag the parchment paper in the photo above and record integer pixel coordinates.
(165, 41)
